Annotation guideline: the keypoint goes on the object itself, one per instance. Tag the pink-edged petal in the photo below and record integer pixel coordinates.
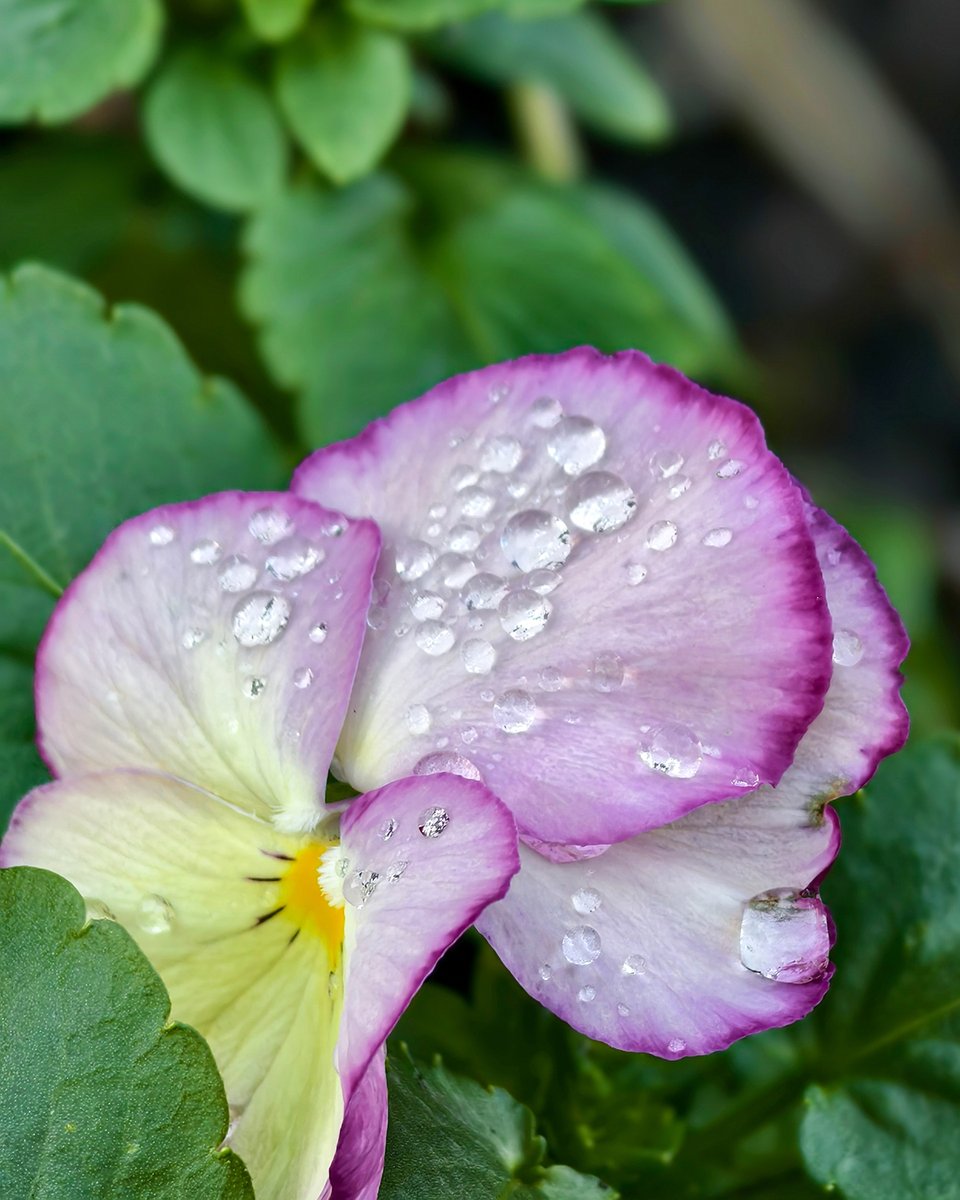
(424, 856)
(627, 675)
(216, 640)
(688, 937)
(358, 1164)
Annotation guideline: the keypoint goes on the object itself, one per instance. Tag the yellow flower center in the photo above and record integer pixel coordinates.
(305, 902)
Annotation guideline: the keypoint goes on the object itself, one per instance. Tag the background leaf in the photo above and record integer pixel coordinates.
(101, 1096)
(215, 132)
(59, 57)
(274, 20)
(416, 14)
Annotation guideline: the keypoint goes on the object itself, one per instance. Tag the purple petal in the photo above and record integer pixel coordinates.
(216, 640)
(688, 937)
(431, 853)
(611, 616)
(358, 1164)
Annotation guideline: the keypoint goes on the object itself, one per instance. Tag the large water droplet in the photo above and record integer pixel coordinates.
(534, 539)
(576, 443)
(433, 821)
(205, 552)
(847, 648)
(661, 535)
(418, 719)
(585, 901)
(484, 591)
(672, 749)
(156, 914)
(784, 935)
(260, 619)
(600, 502)
(523, 614)
(581, 946)
(514, 711)
(500, 454)
(434, 638)
(269, 525)
(413, 559)
(237, 574)
(293, 557)
(478, 656)
(545, 412)
(449, 762)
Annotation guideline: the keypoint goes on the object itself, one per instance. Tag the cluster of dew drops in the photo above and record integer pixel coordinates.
(361, 885)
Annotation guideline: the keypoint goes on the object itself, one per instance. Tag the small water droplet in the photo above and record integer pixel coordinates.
(269, 525)
(253, 686)
(662, 535)
(676, 1045)
(716, 450)
(546, 972)
(679, 486)
(318, 633)
(396, 870)
(205, 552)
(585, 901)
(484, 591)
(784, 936)
(260, 619)
(545, 412)
(581, 946)
(500, 454)
(192, 638)
(294, 557)
(388, 829)
(427, 606)
(455, 569)
(463, 539)
(478, 656)
(237, 574)
(161, 535)
(636, 573)
(98, 911)
(156, 914)
(302, 678)
(623, 1010)
(718, 538)
(463, 477)
(600, 502)
(542, 581)
(413, 559)
(633, 964)
(847, 648)
(607, 672)
(551, 680)
(523, 614)
(587, 993)
(575, 444)
(433, 821)
(475, 502)
(514, 711)
(535, 539)
(359, 887)
(666, 463)
(672, 749)
(448, 762)
(434, 638)
(730, 469)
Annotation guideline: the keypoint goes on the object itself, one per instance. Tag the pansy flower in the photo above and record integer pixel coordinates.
(191, 687)
(603, 596)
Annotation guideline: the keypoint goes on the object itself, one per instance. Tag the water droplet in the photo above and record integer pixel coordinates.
(254, 686)
(581, 946)
(534, 539)
(542, 581)
(478, 656)
(623, 1010)
(388, 829)
(434, 638)
(716, 450)
(661, 535)
(156, 914)
(427, 606)
(360, 886)
(672, 749)
(475, 502)
(745, 778)
(551, 679)
(418, 719)
(847, 648)
(269, 525)
(676, 1045)
(600, 502)
(575, 444)
(436, 512)
(237, 574)
(730, 469)
(636, 573)
(587, 993)
(545, 412)
(501, 454)
(750, 502)
(205, 552)
(523, 614)
(448, 762)
(302, 678)
(318, 633)
(433, 821)
(161, 535)
(585, 901)
(607, 672)
(98, 911)
(260, 619)
(413, 559)
(292, 558)
(514, 711)
(718, 538)
(633, 964)
(463, 539)
(396, 870)
(463, 477)
(192, 638)
(546, 972)
(679, 486)
(784, 936)
(484, 591)
(455, 569)
(666, 463)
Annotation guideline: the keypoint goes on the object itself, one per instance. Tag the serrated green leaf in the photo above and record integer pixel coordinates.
(274, 20)
(410, 15)
(345, 91)
(60, 57)
(577, 55)
(215, 132)
(448, 1136)
(101, 1097)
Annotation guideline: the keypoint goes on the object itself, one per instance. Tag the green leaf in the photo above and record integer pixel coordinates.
(578, 55)
(101, 1096)
(345, 91)
(416, 14)
(60, 57)
(20, 765)
(274, 20)
(539, 8)
(448, 1136)
(215, 132)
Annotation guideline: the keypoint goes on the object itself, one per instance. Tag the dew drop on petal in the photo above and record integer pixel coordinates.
(418, 719)
(192, 638)
(636, 573)
(662, 535)
(270, 525)
(387, 829)
(463, 539)
(585, 901)
(623, 1010)
(463, 477)
(672, 749)
(446, 762)
(847, 648)
(514, 711)
(679, 486)
(483, 591)
(155, 914)
(455, 569)
(302, 678)
(501, 454)
(581, 946)
(718, 538)
(551, 680)
(434, 638)
(730, 469)
(534, 539)
(360, 886)
(676, 1045)
(318, 633)
(161, 535)
(716, 450)
(546, 972)
(475, 502)
(666, 463)
(575, 444)
(205, 552)
(293, 557)
(607, 672)
(545, 412)
(260, 619)
(587, 993)
(427, 606)
(478, 656)
(396, 870)
(523, 614)
(784, 936)
(237, 574)
(600, 502)
(253, 687)
(542, 581)
(413, 559)
(433, 821)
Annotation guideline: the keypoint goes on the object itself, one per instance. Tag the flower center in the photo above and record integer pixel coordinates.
(304, 899)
